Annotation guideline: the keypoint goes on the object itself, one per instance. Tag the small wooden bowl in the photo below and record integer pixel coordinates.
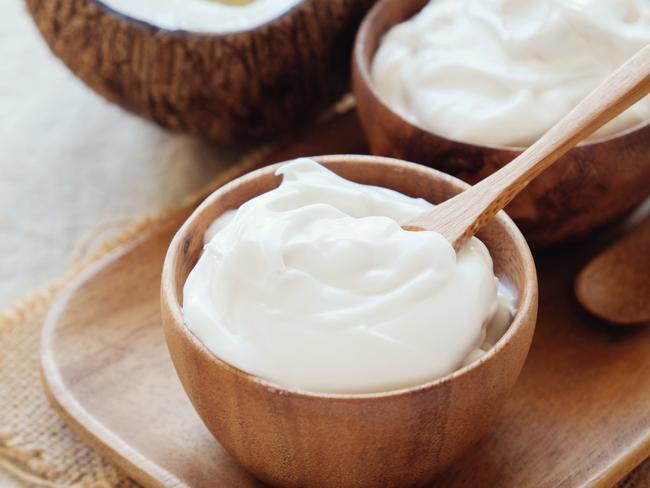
(594, 184)
(247, 84)
(399, 438)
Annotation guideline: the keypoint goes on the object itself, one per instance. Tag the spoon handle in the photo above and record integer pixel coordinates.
(461, 216)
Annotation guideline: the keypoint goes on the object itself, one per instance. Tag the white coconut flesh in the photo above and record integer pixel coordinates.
(206, 16)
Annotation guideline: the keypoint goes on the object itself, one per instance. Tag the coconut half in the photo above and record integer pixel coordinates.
(232, 86)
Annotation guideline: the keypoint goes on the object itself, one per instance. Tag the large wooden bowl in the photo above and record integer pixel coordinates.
(594, 184)
(399, 438)
(248, 84)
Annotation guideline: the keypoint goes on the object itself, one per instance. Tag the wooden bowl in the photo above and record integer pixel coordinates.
(247, 84)
(596, 183)
(398, 438)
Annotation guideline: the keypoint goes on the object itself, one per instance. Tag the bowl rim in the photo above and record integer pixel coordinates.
(361, 65)
(185, 33)
(526, 297)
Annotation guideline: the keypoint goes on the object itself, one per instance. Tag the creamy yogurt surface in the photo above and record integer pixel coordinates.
(314, 285)
(502, 72)
(208, 16)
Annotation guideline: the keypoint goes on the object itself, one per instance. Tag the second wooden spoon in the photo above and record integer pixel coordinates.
(463, 215)
(615, 285)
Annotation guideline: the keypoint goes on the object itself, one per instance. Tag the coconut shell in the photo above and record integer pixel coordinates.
(250, 84)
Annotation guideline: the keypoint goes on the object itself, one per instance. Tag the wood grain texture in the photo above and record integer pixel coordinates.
(243, 85)
(403, 438)
(594, 184)
(615, 285)
(461, 217)
(578, 415)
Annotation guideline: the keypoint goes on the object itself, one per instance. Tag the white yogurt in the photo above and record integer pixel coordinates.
(315, 286)
(208, 16)
(502, 72)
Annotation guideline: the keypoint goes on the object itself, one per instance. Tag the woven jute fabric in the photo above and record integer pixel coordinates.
(35, 445)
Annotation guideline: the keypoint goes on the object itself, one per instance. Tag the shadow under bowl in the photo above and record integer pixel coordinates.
(596, 183)
(404, 437)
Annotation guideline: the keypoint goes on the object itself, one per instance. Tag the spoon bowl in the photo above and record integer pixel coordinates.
(295, 438)
(615, 285)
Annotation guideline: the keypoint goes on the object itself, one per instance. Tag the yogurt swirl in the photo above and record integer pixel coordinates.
(502, 72)
(314, 285)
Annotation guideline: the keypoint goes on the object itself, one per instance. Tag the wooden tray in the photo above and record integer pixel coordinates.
(578, 416)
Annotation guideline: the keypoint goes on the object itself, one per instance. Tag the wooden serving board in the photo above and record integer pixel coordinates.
(578, 416)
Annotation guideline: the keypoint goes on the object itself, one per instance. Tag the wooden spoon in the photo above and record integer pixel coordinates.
(615, 285)
(463, 215)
